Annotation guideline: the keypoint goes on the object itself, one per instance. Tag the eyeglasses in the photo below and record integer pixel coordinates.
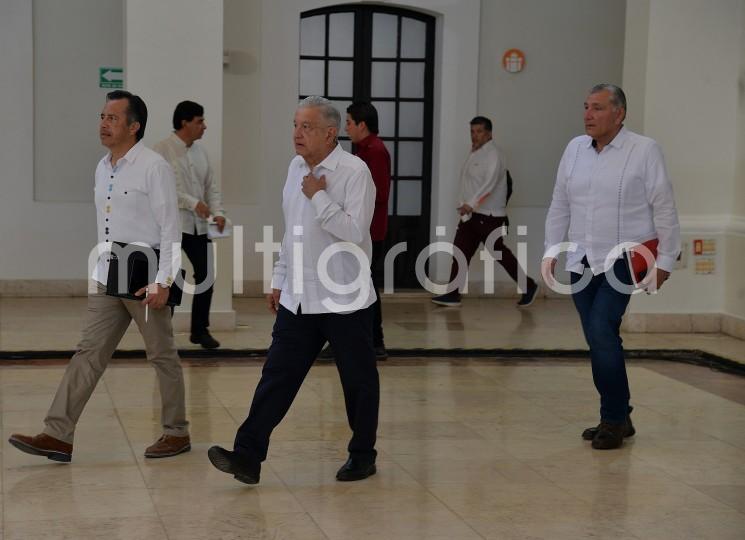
(307, 127)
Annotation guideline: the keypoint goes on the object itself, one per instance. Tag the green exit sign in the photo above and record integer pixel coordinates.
(110, 77)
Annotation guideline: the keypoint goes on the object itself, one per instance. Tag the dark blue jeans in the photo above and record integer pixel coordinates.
(601, 308)
(296, 341)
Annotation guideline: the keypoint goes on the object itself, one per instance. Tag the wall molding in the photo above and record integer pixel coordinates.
(723, 224)
(684, 323)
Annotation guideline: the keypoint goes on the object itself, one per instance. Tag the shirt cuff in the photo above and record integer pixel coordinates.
(164, 279)
(665, 262)
(278, 281)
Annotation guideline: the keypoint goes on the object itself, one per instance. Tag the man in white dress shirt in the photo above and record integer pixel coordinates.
(482, 210)
(318, 296)
(611, 188)
(135, 196)
(199, 198)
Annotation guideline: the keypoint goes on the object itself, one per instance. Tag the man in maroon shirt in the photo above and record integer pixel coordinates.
(362, 128)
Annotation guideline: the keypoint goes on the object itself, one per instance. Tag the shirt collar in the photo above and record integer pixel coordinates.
(484, 146)
(130, 156)
(331, 161)
(617, 141)
(177, 140)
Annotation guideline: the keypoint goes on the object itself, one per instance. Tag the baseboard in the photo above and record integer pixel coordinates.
(220, 321)
(733, 325)
(684, 323)
(29, 288)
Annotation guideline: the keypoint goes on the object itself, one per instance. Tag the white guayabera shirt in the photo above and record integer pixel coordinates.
(195, 181)
(622, 194)
(339, 214)
(136, 203)
(483, 181)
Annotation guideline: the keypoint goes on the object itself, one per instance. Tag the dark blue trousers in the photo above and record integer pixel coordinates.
(601, 308)
(296, 341)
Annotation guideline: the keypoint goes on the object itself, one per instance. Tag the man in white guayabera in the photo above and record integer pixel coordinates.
(612, 192)
(321, 291)
(135, 203)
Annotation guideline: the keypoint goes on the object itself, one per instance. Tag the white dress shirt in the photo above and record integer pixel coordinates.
(340, 213)
(483, 181)
(621, 194)
(136, 202)
(195, 181)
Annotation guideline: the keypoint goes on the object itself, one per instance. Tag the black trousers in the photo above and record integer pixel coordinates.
(377, 276)
(475, 231)
(196, 247)
(296, 341)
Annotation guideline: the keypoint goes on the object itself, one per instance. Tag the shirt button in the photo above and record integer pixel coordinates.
(112, 176)
(108, 198)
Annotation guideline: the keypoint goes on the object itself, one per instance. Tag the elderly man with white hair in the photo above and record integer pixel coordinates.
(321, 291)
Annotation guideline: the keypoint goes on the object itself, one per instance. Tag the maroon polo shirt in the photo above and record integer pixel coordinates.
(373, 152)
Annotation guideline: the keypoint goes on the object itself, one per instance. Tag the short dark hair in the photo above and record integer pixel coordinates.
(363, 111)
(136, 109)
(481, 121)
(185, 112)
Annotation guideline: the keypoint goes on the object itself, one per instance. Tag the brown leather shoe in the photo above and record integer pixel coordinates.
(42, 445)
(168, 446)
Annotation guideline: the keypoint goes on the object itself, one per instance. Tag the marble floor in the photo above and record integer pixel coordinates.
(469, 448)
(410, 322)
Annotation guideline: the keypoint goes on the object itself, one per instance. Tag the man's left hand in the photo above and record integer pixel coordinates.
(312, 185)
(653, 281)
(220, 220)
(156, 295)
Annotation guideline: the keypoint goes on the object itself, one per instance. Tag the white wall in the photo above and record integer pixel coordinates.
(735, 276)
(692, 106)
(66, 143)
(39, 240)
(569, 47)
(173, 52)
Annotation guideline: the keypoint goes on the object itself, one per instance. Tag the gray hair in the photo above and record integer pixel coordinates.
(328, 111)
(617, 97)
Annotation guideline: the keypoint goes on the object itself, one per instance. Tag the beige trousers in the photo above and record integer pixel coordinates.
(107, 320)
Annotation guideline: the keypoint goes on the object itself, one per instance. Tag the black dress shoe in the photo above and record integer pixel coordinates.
(242, 469)
(629, 431)
(205, 340)
(609, 436)
(355, 469)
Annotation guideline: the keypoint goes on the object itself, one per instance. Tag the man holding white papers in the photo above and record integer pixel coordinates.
(611, 188)
(199, 198)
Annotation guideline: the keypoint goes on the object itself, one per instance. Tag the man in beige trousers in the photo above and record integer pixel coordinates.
(135, 197)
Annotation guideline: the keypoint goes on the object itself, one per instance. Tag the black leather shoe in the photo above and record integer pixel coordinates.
(205, 340)
(609, 436)
(242, 469)
(355, 469)
(629, 431)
